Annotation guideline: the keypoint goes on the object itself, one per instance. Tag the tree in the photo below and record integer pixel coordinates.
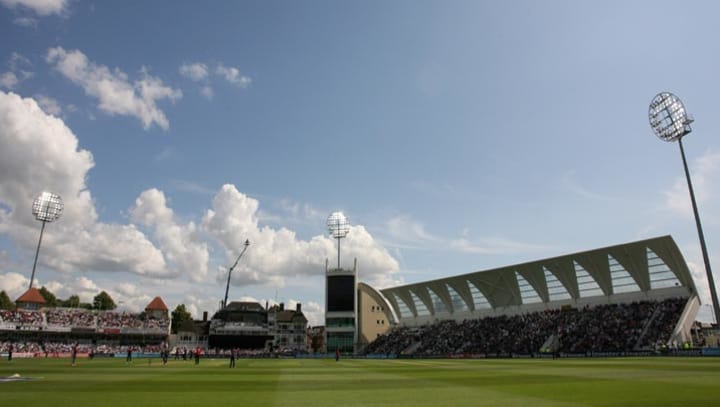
(316, 340)
(5, 302)
(51, 300)
(178, 316)
(103, 301)
(72, 302)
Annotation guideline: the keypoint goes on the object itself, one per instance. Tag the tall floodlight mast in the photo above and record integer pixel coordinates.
(227, 287)
(47, 207)
(670, 122)
(339, 227)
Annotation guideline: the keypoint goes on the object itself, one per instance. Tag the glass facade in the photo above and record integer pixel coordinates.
(340, 340)
(340, 322)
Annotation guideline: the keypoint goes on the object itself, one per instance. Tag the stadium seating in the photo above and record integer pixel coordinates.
(605, 328)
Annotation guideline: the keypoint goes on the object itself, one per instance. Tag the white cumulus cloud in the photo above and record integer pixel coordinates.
(205, 76)
(233, 75)
(9, 80)
(41, 7)
(19, 71)
(49, 105)
(113, 89)
(182, 245)
(14, 284)
(41, 153)
(276, 254)
(197, 71)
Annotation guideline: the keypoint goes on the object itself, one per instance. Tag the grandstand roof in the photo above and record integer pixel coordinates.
(156, 304)
(245, 306)
(653, 267)
(32, 295)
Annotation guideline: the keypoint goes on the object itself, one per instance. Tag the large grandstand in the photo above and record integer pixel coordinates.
(70, 325)
(637, 296)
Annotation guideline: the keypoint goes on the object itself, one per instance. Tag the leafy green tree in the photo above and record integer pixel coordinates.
(5, 302)
(51, 300)
(72, 302)
(103, 301)
(178, 316)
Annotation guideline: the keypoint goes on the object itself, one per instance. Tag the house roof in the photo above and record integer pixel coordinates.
(290, 316)
(156, 304)
(32, 295)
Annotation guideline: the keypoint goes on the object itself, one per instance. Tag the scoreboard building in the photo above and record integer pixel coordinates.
(340, 308)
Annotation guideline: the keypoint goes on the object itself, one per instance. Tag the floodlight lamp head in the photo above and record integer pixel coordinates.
(47, 207)
(668, 117)
(338, 225)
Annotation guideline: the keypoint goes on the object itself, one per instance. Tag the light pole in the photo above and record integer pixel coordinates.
(339, 227)
(47, 207)
(712, 312)
(227, 287)
(670, 122)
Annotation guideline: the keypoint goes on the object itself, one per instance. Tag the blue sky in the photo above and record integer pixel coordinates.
(456, 136)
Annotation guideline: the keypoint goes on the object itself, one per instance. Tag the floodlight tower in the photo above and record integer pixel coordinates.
(227, 287)
(47, 207)
(670, 122)
(340, 295)
(339, 227)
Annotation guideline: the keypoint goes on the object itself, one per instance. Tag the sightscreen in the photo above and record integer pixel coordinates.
(341, 293)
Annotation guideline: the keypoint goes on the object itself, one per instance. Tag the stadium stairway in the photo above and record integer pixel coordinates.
(412, 348)
(648, 324)
(550, 343)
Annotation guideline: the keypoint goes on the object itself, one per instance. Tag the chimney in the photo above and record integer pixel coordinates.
(204, 316)
(282, 306)
(298, 308)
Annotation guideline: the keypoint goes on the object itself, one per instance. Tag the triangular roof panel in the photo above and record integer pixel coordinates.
(32, 295)
(587, 286)
(622, 281)
(156, 304)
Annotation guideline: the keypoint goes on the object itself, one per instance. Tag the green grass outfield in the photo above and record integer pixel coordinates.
(305, 382)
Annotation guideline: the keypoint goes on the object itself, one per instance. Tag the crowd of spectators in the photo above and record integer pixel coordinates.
(602, 328)
(22, 317)
(53, 349)
(111, 319)
(43, 348)
(82, 318)
(70, 317)
(155, 323)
